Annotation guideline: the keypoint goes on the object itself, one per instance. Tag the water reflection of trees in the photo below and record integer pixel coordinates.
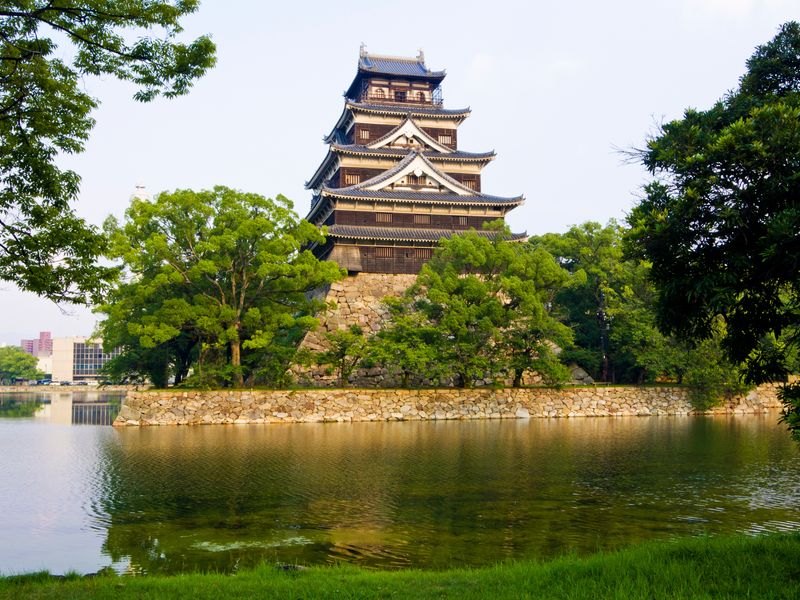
(421, 494)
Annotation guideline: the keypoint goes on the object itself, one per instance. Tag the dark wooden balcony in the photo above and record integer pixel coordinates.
(402, 98)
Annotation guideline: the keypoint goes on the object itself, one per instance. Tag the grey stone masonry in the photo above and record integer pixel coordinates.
(183, 407)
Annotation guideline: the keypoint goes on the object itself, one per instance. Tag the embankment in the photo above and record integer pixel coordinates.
(190, 407)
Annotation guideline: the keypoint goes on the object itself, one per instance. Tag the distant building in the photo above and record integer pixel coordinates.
(42, 346)
(45, 365)
(79, 359)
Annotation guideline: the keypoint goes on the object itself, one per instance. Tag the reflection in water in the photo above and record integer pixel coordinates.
(63, 407)
(383, 495)
(392, 495)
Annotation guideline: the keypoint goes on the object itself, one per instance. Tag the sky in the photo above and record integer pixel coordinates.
(557, 89)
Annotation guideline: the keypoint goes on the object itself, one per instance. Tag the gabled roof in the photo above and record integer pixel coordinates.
(392, 66)
(402, 234)
(385, 152)
(414, 163)
(431, 112)
(328, 196)
(409, 129)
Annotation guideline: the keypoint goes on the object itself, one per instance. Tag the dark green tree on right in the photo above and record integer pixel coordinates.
(720, 223)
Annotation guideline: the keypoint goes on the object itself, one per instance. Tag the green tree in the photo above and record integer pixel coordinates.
(408, 345)
(219, 272)
(592, 255)
(16, 364)
(721, 221)
(44, 111)
(486, 297)
(346, 349)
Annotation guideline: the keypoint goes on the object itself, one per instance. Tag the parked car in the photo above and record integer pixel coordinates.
(65, 383)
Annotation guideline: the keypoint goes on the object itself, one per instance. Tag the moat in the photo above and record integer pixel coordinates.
(382, 495)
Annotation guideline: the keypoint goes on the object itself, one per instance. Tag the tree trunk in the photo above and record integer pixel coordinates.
(517, 378)
(462, 380)
(236, 362)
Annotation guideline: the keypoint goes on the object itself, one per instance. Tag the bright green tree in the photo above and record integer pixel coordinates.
(45, 111)
(485, 296)
(592, 255)
(346, 349)
(408, 346)
(16, 364)
(721, 221)
(219, 272)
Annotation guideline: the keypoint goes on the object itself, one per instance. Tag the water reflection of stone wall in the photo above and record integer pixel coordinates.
(321, 405)
(434, 494)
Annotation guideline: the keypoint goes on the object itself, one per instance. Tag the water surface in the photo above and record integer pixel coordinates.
(383, 495)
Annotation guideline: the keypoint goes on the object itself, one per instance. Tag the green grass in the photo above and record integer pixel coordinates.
(696, 568)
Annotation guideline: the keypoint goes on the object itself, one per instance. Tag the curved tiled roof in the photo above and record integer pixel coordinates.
(421, 197)
(408, 110)
(395, 65)
(392, 66)
(453, 184)
(385, 152)
(406, 234)
(392, 152)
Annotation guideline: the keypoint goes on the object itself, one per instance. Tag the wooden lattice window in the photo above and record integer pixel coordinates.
(445, 138)
(423, 253)
(363, 134)
(421, 96)
(352, 178)
(378, 93)
(471, 184)
(462, 220)
(400, 96)
(422, 219)
(383, 252)
(383, 217)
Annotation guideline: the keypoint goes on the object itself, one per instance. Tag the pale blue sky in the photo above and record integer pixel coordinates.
(554, 88)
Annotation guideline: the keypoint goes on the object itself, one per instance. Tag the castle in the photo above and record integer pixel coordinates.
(392, 184)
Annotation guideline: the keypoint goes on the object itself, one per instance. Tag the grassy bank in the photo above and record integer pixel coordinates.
(724, 567)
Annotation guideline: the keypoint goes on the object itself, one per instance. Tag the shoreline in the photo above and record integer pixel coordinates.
(695, 567)
(336, 405)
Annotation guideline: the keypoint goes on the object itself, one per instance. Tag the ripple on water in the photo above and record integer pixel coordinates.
(298, 540)
(383, 495)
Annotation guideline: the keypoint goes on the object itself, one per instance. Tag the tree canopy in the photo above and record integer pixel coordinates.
(219, 277)
(16, 364)
(477, 312)
(720, 223)
(45, 111)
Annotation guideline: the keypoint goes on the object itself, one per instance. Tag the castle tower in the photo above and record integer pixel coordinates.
(394, 181)
(392, 184)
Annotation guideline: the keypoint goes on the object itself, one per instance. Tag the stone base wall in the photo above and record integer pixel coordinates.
(356, 300)
(325, 405)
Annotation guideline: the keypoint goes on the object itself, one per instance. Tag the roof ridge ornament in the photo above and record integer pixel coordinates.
(362, 51)
(421, 56)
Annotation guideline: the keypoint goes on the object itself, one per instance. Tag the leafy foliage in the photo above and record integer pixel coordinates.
(44, 111)
(477, 312)
(408, 348)
(346, 349)
(721, 221)
(219, 277)
(16, 364)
